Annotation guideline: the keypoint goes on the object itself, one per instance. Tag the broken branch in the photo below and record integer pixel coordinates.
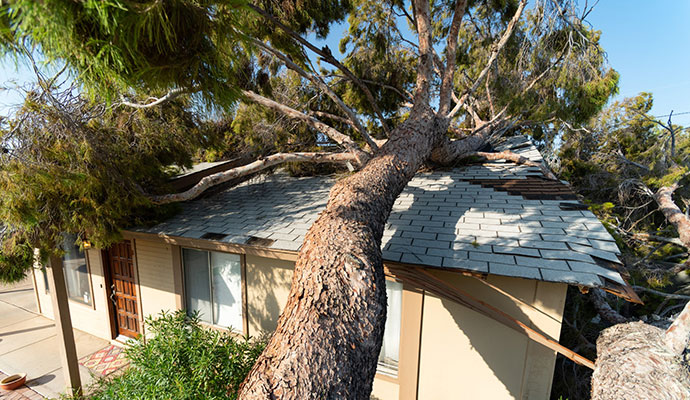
(256, 166)
(597, 296)
(673, 214)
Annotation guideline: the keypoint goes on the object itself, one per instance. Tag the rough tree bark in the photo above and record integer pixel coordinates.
(673, 214)
(640, 361)
(332, 324)
(329, 334)
(597, 296)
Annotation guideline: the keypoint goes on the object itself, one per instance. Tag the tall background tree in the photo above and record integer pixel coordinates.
(421, 83)
(628, 165)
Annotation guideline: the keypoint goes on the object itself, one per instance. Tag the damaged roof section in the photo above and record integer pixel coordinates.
(495, 218)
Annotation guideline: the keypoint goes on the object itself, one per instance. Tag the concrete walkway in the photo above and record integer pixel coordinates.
(28, 342)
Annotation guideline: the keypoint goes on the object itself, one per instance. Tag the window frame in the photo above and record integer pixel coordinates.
(386, 375)
(92, 304)
(243, 288)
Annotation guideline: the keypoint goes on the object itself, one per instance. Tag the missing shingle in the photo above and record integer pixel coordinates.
(572, 206)
(261, 242)
(529, 187)
(213, 236)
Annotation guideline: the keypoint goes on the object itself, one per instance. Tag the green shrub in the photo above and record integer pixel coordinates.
(181, 360)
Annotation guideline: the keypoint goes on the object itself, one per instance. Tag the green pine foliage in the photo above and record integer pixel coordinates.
(621, 158)
(117, 46)
(180, 360)
(16, 258)
(76, 166)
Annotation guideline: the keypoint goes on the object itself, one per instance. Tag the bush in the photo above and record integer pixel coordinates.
(181, 360)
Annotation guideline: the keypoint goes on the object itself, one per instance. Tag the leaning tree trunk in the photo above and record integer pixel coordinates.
(329, 335)
(640, 361)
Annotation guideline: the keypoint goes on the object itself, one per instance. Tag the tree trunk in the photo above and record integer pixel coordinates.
(640, 361)
(329, 335)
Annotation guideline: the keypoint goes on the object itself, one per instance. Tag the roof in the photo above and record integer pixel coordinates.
(495, 218)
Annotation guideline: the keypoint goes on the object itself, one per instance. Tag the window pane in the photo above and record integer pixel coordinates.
(227, 290)
(390, 350)
(197, 289)
(45, 278)
(76, 274)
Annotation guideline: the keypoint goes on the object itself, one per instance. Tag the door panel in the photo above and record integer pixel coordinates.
(123, 290)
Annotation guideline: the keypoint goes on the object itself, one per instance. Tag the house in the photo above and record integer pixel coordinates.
(478, 257)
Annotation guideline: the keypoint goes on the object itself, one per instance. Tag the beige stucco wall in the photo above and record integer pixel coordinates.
(268, 286)
(466, 355)
(156, 276)
(462, 353)
(385, 390)
(93, 319)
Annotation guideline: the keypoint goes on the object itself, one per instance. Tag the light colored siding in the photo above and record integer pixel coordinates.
(465, 354)
(268, 286)
(156, 277)
(385, 390)
(91, 319)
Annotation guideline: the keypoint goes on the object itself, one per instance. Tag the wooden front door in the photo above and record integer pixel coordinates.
(123, 293)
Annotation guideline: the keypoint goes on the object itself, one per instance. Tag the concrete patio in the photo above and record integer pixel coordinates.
(28, 342)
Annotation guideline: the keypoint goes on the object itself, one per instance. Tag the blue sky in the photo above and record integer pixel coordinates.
(647, 42)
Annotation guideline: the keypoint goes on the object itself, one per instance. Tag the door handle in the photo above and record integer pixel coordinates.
(112, 294)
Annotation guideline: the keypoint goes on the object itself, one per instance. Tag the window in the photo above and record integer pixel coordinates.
(390, 350)
(76, 274)
(213, 286)
(45, 278)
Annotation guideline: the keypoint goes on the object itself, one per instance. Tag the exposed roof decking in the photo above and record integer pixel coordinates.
(440, 220)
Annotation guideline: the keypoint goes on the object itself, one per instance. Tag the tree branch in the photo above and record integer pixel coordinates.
(322, 114)
(647, 236)
(620, 155)
(451, 50)
(662, 294)
(172, 94)
(677, 335)
(331, 132)
(407, 96)
(597, 296)
(258, 165)
(327, 56)
(498, 46)
(673, 214)
(324, 87)
(449, 151)
(426, 57)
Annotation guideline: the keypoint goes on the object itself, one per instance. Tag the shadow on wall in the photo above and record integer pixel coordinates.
(426, 229)
(502, 349)
(268, 286)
